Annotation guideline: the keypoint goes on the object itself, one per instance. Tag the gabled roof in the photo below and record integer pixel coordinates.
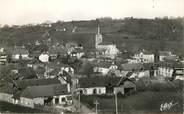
(148, 66)
(58, 50)
(129, 84)
(98, 81)
(106, 43)
(55, 65)
(164, 53)
(89, 82)
(103, 64)
(146, 52)
(20, 50)
(171, 64)
(130, 67)
(22, 84)
(44, 91)
(78, 50)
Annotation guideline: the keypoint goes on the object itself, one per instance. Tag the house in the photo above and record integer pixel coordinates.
(144, 57)
(137, 70)
(56, 51)
(104, 49)
(3, 56)
(41, 95)
(53, 69)
(167, 55)
(19, 52)
(22, 84)
(101, 85)
(104, 67)
(131, 67)
(173, 70)
(77, 52)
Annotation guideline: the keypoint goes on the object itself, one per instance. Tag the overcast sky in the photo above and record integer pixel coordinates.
(37, 11)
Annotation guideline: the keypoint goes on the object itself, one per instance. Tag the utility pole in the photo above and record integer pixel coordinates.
(116, 102)
(79, 102)
(96, 103)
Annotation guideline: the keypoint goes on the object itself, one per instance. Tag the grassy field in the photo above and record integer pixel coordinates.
(142, 102)
(11, 108)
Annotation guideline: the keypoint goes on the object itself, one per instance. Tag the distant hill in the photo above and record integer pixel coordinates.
(130, 33)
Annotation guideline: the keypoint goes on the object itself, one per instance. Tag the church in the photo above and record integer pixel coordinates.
(104, 49)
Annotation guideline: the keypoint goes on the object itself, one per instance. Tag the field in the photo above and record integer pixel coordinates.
(11, 108)
(142, 102)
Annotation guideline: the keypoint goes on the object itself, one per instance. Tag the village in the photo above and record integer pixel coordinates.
(60, 76)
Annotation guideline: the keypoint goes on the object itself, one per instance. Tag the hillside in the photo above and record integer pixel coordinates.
(130, 34)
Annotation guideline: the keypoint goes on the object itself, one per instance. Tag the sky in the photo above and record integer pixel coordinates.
(19, 12)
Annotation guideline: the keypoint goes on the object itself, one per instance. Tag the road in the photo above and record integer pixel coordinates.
(76, 108)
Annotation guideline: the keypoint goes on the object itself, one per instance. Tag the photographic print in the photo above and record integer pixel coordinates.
(92, 56)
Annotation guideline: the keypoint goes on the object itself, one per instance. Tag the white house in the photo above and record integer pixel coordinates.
(171, 70)
(144, 57)
(3, 56)
(104, 67)
(19, 52)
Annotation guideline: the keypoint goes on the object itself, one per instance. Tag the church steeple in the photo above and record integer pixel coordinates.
(98, 38)
(98, 30)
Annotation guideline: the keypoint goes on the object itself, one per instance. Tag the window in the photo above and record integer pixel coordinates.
(63, 99)
(94, 91)
(56, 100)
(99, 91)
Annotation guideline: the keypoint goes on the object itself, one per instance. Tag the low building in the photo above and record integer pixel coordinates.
(35, 96)
(102, 85)
(57, 51)
(53, 69)
(77, 52)
(171, 70)
(167, 55)
(104, 67)
(19, 52)
(22, 84)
(144, 57)
(3, 57)
(138, 70)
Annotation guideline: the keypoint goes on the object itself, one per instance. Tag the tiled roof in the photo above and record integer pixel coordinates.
(172, 64)
(20, 50)
(106, 43)
(102, 82)
(58, 50)
(129, 67)
(148, 66)
(103, 64)
(55, 65)
(98, 81)
(146, 52)
(36, 82)
(164, 53)
(44, 91)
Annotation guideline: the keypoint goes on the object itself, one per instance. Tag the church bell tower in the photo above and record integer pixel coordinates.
(98, 38)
